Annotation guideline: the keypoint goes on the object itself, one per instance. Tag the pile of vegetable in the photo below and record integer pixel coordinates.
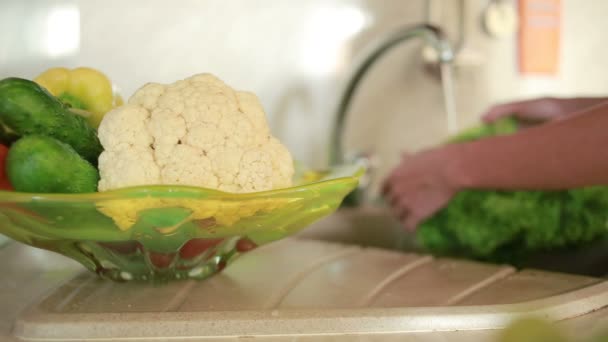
(67, 131)
(52, 145)
(537, 329)
(507, 226)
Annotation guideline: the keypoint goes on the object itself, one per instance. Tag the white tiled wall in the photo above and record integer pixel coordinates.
(295, 55)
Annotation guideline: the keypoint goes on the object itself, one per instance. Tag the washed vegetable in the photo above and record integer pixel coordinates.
(198, 132)
(506, 226)
(46, 165)
(4, 182)
(538, 329)
(532, 329)
(83, 88)
(26, 108)
(503, 126)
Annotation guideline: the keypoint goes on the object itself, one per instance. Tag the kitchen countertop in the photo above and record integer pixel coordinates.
(294, 289)
(28, 273)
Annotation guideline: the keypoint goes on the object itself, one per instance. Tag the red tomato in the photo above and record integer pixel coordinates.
(161, 260)
(245, 245)
(195, 247)
(4, 183)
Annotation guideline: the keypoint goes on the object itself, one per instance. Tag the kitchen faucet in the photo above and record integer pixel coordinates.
(431, 34)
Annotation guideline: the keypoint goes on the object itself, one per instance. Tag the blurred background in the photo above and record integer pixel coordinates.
(297, 56)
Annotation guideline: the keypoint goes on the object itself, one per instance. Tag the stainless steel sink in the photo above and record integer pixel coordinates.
(376, 227)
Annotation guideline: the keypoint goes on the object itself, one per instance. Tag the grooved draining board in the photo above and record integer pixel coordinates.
(298, 287)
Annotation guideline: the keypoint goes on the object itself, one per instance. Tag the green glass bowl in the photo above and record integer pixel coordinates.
(161, 233)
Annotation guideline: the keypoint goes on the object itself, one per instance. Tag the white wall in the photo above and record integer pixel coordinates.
(295, 56)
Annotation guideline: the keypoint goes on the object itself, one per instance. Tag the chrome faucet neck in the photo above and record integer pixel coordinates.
(432, 35)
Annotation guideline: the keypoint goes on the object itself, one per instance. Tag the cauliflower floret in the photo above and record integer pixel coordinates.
(196, 131)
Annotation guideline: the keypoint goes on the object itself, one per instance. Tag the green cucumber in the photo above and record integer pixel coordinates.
(46, 165)
(26, 108)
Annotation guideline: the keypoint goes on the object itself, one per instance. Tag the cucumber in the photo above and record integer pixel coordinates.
(26, 108)
(46, 165)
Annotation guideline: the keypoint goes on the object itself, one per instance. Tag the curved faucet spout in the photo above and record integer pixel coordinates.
(429, 33)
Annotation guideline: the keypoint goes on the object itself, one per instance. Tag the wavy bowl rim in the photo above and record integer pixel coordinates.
(151, 190)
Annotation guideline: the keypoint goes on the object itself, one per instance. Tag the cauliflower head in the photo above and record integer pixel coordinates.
(198, 132)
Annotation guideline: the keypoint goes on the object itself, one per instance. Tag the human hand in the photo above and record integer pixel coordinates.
(422, 184)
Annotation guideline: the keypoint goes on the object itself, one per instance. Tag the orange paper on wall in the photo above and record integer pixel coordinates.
(539, 36)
